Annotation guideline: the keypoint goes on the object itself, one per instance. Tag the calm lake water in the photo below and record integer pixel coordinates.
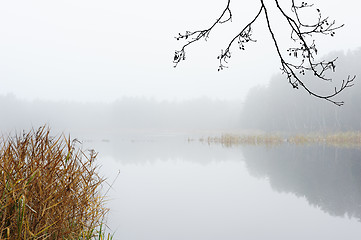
(169, 188)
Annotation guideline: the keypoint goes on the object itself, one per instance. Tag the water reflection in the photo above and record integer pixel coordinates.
(328, 177)
(141, 150)
(170, 188)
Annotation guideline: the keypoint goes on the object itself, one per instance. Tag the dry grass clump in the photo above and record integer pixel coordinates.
(302, 139)
(49, 189)
(344, 139)
(229, 140)
(341, 139)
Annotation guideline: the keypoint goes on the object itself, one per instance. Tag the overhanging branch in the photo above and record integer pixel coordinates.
(304, 51)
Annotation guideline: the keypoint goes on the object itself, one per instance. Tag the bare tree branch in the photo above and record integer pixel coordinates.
(196, 35)
(243, 37)
(305, 50)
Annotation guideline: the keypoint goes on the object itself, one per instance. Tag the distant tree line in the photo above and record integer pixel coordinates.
(277, 107)
(127, 114)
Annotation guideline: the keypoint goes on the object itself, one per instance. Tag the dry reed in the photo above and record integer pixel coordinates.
(341, 139)
(229, 140)
(49, 189)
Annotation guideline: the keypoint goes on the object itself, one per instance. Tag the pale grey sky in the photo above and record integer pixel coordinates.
(88, 50)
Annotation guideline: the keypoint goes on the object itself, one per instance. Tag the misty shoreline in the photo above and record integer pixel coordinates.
(268, 109)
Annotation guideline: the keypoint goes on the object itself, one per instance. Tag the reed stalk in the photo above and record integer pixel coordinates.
(49, 189)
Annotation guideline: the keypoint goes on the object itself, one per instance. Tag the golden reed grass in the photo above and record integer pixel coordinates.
(340, 139)
(229, 140)
(49, 189)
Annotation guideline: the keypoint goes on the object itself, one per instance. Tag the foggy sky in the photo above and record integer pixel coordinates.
(87, 50)
(125, 117)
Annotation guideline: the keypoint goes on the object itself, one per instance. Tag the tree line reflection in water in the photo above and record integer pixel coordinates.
(328, 177)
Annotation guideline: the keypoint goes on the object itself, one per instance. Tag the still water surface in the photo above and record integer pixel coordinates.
(169, 188)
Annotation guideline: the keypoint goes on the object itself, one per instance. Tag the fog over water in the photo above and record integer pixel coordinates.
(126, 116)
(273, 108)
(102, 72)
(172, 188)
